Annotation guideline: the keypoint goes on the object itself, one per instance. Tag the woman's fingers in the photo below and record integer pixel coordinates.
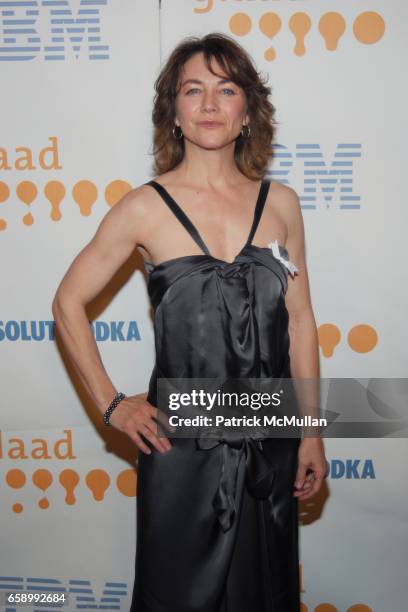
(135, 417)
(310, 487)
(140, 444)
(160, 416)
(148, 430)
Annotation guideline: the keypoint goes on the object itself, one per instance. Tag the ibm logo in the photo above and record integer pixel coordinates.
(50, 29)
(333, 178)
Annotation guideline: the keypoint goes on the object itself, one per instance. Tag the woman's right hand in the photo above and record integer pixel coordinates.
(135, 416)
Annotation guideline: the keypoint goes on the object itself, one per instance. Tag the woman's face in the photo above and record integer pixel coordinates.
(205, 97)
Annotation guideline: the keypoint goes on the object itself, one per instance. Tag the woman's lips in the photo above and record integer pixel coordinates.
(209, 124)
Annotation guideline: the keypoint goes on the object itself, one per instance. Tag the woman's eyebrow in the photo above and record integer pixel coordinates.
(197, 81)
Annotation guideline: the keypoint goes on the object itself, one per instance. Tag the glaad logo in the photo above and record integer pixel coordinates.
(367, 28)
(22, 27)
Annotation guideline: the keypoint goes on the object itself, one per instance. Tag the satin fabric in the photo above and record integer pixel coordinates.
(217, 523)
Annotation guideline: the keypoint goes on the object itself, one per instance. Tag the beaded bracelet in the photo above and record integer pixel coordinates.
(116, 400)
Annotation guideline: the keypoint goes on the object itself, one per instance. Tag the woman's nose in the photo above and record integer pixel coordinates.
(209, 101)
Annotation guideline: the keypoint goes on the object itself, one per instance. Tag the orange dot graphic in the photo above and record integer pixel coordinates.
(359, 608)
(369, 27)
(332, 26)
(362, 338)
(325, 607)
(28, 219)
(27, 192)
(69, 480)
(4, 195)
(300, 24)
(270, 24)
(329, 337)
(303, 608)
(4, 192)
(54, 191)
(126, 482)
(240, 24)
(85, 194)
(115, 191)
(98, 481)
(42, 479)
(16, 478)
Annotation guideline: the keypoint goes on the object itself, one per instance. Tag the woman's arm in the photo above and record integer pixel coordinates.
(116, 237)
(304, 348)
(304, 351)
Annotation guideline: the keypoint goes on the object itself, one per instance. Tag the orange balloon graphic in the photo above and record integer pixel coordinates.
(369, 27)
(69, 480)
(300, 24)
(27, 192)
(4, 192)
(270, 24)
(4, 195)
(240, 24)
(331, 27)
(115, 191)
(55, 191)
(85, 194)
(16, 479)
(98, 481)
(42, 479)
(126, 482)
(329, 337)
(362, 338)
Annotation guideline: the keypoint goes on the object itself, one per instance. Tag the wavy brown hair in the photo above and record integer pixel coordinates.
(253, 154)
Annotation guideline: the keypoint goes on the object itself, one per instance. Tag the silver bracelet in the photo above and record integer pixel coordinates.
(116, 400)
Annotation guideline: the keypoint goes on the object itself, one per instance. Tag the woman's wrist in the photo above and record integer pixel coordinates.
(119, 396)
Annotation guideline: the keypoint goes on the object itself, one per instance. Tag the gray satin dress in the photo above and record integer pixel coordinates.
(217, 522)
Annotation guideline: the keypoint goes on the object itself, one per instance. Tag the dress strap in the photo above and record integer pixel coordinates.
(180, 214)
(260, 204)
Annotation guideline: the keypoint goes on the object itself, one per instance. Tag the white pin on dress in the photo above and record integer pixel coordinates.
(274, 246)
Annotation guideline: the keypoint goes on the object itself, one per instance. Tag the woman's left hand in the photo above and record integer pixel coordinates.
(312, 467)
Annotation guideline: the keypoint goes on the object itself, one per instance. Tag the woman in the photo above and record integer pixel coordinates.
(225, 305)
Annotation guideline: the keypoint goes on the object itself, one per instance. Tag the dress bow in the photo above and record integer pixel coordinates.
(259, 475)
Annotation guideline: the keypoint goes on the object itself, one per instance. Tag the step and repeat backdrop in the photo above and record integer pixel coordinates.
(77, 88)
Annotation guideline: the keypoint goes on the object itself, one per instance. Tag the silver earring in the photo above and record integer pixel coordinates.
(248, 132)
(174, 132)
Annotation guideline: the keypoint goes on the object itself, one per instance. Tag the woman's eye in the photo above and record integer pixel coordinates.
(193, 89)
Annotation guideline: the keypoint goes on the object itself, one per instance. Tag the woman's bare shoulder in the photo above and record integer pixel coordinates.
(282, 191)
(285, 200)
(138, 200)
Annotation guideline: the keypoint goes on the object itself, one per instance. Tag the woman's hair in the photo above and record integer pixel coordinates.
(252, 155)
